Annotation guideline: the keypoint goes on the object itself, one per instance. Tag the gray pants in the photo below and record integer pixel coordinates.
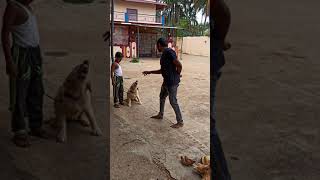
(170, 91)
(118, 90)
(26, 91)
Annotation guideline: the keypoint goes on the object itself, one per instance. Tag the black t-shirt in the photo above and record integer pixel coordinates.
(217, 55)
(168, 68)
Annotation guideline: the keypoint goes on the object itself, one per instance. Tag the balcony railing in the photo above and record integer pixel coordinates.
(138, 18)
(119, 16)
(153, 1)
(149, 1)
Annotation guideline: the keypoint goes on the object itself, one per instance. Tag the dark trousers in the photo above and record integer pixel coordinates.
(26, 91)
(219, 165)
(170, 91)
(118, 90)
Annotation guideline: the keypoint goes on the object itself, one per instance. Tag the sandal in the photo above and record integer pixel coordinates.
(157, 117)
(178, 125)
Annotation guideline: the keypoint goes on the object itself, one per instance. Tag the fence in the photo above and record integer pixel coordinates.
(141, 18)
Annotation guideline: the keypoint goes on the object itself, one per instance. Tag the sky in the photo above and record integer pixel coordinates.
(199, 17)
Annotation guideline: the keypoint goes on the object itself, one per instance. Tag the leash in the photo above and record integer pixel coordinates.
(45, 93)
(50, 97)
(130, 86)
(53, 99)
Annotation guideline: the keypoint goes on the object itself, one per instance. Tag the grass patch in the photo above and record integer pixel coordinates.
(78, 1)
(135, 60)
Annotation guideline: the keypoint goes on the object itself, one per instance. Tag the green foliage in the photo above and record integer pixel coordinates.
(183, 13)
(135, 60)
(195, 30)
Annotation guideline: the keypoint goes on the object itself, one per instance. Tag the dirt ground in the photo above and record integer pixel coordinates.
(268, 96)
(69, 34)
(158, 146)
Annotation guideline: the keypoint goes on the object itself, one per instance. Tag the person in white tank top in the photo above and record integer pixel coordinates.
(117, 80)
(26, 34)
(24, 68)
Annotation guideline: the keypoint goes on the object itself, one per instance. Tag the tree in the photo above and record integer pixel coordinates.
(178, 10)
(183, 13)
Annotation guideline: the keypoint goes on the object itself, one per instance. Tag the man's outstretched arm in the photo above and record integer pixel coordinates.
(151, 72)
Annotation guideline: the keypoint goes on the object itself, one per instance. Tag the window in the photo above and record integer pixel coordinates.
(133, 14)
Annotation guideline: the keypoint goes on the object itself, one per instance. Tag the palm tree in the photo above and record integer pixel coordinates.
(184, 13)
(178, 9)
(173, 12)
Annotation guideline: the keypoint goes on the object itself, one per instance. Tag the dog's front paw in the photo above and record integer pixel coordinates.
(96, 132)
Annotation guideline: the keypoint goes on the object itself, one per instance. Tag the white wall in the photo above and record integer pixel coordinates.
(143, 8)
(195, 45)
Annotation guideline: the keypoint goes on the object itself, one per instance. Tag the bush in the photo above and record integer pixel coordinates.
(135, 60)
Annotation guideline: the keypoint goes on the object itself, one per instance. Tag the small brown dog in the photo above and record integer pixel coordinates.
(73, 102)
(133, 94)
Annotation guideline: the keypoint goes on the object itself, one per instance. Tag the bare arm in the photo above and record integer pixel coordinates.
(113, 67)
(9, 18)
(8, 21)
(156, 72)
(151, 72)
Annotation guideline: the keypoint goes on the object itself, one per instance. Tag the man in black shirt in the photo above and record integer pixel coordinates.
(171, 73)
(220, 22)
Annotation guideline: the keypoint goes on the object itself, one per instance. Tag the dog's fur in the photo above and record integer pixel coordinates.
(133, 94)
(73, 102)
